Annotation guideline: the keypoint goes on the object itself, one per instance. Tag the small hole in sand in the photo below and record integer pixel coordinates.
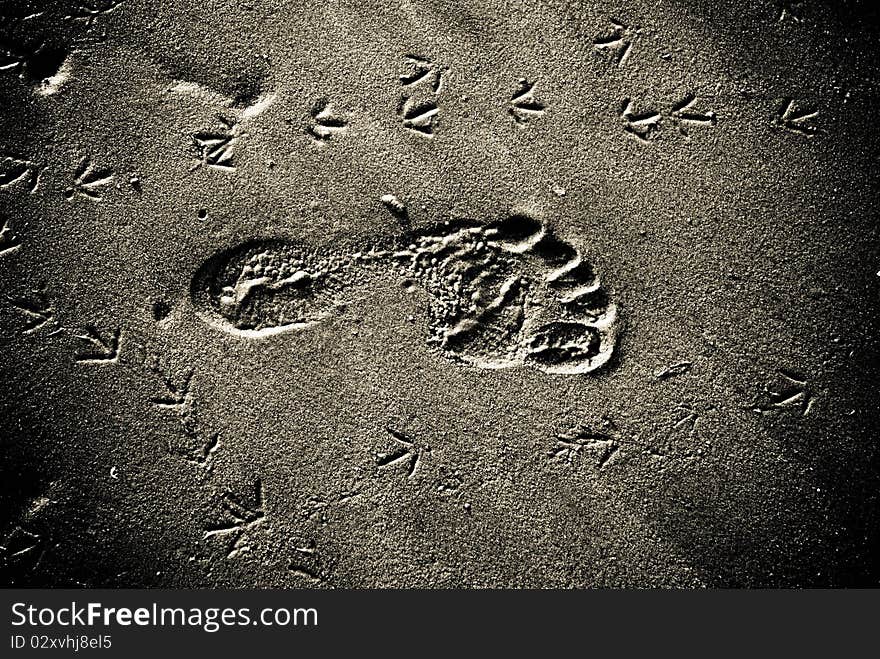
(161, 309)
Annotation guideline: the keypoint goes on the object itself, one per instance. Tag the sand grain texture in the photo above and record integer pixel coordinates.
(438, 294)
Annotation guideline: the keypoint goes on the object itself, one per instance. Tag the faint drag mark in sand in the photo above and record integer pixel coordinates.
(504, 294)
(312, 562)
(89, 180)
(619, 43)
(789, 118)
(685, 438)
(178, 397)
(685, 419)
(317, 508)
(312, 559)
(523, 105)
(679, 368)
(9, 23)
(245, 514)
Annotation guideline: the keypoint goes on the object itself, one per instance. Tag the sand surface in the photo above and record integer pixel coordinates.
(439, 294)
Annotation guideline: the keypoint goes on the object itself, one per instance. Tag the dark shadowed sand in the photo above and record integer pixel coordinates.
(439, 294)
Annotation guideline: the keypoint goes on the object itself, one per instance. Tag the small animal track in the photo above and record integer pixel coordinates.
(686, 117)
(9, 240)
(21, 550)
(215, 148)
(569, 446)
(14, 170)
(523, 105)
(642, 125)
(37, 311)
(645, 126)
(418, 109)
(406, 452)
(420, 117)
(793, 120)
(422, 72)
(102, 351)
(245, 517)
(618, 43)
(788, 391)
(503, 294)
(325, 125)
(176, 393)
(88, 180)
(87, 12)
